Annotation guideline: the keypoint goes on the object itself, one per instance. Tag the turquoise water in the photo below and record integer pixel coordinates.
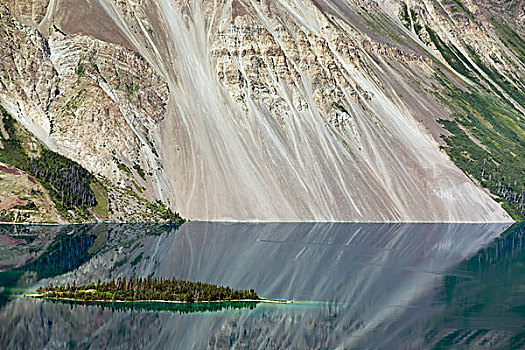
(353, 285)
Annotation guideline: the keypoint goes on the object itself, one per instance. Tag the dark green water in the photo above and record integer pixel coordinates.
(354, 285)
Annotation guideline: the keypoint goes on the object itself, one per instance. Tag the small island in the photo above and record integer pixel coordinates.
(148, 290)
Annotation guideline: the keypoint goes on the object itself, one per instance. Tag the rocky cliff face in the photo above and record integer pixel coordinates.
(286, 110)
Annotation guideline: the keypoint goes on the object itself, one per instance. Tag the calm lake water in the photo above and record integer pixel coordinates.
(353, 285)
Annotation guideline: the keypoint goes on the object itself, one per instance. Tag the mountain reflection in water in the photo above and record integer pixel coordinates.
(355, 285)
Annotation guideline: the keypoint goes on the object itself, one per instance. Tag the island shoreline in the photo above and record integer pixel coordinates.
(268, 301)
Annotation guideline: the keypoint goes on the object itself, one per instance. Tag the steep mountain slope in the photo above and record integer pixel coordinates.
(283, 110)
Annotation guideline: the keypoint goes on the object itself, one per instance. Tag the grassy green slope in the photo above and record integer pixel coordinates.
(487, 130)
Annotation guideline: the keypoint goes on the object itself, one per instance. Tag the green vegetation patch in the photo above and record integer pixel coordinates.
(132, 88)
(497, 160)
(101, 209)
(121, 166)
(404, 16)
(80, 70)
(452, 55)
(147, 289)
(487, 138)
(164, 212)
(513, 89)
(75, 101)
(67, 182)
(339, 106)
(459, 7)
(119, 263)
(140, 171)
(409, 17)
(511, 39)
(29, 206)
(8, 216)
(137, 259)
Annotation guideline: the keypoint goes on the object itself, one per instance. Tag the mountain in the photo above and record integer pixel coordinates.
(289, 110)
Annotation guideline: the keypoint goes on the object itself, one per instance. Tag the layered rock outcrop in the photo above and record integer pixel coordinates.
(259, 110)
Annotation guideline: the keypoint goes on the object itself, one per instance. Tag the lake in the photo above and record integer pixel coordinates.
(353, 285)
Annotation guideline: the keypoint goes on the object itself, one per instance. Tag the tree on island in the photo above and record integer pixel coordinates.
(124, 289)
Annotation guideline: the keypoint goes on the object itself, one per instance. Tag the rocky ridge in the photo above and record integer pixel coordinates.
(61, 87)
